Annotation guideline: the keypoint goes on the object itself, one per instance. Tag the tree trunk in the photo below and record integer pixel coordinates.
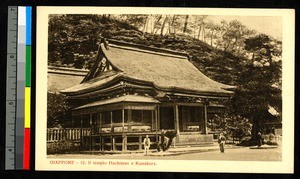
(199, 32)
(155, 23)
(252, 58)
(255, 128)
(144, 28)
(146, 25)
(194, 28)
(169, 28)
(235, 42)
(203, 34)
(173, 22)
(185, 23)
(211, 38)
(163, 25)
(151, 26)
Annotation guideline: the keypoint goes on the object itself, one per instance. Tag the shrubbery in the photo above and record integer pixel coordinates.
(269, 139)
(62, 147)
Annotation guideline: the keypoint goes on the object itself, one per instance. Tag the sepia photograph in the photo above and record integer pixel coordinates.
(164, 89)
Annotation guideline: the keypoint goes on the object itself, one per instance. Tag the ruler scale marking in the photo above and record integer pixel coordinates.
(11, 83)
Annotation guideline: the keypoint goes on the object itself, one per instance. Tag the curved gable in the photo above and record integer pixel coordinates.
(166, 69)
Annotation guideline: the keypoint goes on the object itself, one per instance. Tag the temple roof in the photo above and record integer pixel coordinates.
(165, 69)
(60, 78)
(126, 98)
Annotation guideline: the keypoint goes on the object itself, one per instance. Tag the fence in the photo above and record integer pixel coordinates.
(58, 134)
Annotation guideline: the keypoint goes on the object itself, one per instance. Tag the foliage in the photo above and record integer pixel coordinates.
(247, 141)
(270, 139)
(73, 38)
(259, 85)
(267, 139)
(233, 35)
(233, 126)
(57, 109)
(62, 147)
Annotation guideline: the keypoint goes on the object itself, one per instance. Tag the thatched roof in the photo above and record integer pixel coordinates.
(165, 69)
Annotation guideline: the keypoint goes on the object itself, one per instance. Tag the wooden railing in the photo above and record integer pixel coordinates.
(58, 134)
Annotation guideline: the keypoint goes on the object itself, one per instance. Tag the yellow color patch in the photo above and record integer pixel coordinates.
(27, 107)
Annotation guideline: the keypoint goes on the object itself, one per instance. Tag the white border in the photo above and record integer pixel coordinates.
(285, 166)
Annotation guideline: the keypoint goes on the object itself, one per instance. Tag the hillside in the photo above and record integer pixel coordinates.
(73, 42)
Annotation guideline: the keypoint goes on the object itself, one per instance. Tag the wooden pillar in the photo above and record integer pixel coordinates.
(123, 132)
(140, 142)
(113, 144)
(129, 119)
(152, 120)
(158, 118)
(100, 132)
(91, 123)
(176, 115)
(156, 123)
(81, 137)
(111, 131)
(125, 142)
(205, 117)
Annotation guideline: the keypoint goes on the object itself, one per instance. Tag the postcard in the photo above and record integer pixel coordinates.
(165, 89)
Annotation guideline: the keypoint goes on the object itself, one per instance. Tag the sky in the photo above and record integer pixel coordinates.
(270, 25)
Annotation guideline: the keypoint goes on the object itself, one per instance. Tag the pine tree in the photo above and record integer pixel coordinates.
(259, 84)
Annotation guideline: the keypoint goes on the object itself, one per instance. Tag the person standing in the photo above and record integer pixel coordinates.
(221, 142)
(146, 145)
(260, 139)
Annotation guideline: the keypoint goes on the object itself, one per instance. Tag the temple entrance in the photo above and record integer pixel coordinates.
(191, 118)
(167, 118)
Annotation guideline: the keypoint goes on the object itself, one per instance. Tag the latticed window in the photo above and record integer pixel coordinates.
(143, 116)
(106, 117)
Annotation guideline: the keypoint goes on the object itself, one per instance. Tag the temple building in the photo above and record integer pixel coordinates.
(133, 91)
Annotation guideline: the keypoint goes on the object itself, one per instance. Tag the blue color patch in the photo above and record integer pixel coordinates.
(28, 25)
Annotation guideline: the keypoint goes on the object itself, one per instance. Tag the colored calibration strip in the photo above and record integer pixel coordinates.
(18, 88)
(26, 158)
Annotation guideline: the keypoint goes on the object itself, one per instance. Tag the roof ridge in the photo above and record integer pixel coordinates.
(139, 47)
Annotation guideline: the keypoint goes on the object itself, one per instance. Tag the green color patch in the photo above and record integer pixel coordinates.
(28, 66)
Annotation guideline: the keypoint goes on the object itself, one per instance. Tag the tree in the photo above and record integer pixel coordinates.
(258, 88)
(137, 20)
(72, 38)
(214, 30)
(156, 23)
(57, 109)
(233, 35)
(163, 25)
(174, 24)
